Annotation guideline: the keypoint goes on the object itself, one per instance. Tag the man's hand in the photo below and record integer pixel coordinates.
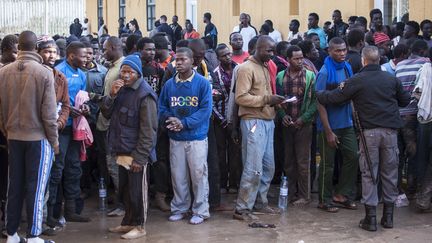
(135, 167)
(275, 100)
(298, 123)
(115, 88)
(332, 139)
(287, 121)
(85, 110)
(174, 124)
(56, 150)
(74, 112)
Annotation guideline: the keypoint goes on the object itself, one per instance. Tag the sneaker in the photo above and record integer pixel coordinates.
(266, 210)
(196, 219)
(176, 217)
(161, 203)
(135, 233)
(38, 240)
(402, 201)
(121, 229)
(246, 216)
(117, 212)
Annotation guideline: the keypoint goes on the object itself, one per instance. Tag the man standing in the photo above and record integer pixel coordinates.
(184, 108)
(297, 120)
(151, 70)
(131, 106)
(210, 30)
(355, 39)
(274, 34)
(294, 31)
(247, 31)
(336, 131)
(377, 96)
(31, 133)
(86, 27)
(67, 167)
(76, 28)
(47, 49)
(254, 96)
(164, 27)
(339, 27)
(236, 42)
(113, 53)
(9, 49)
(177, 31)
(313, 21)
(228, 150)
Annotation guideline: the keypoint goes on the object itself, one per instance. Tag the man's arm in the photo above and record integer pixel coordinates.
(243, 86)
(403, 96)
(205, 108)
(147, 131)
(49, 110)
(309, 114)
(340, 95)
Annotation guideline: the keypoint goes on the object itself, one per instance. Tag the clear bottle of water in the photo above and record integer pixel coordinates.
(102, 195)
(283, 194)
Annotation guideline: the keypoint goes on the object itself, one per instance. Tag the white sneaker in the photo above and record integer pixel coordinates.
(176, 217)
(402, 201)
(14, 238)
(38, 240)
(135, 233)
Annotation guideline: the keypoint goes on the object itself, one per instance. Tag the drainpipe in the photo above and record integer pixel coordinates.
(46, 17)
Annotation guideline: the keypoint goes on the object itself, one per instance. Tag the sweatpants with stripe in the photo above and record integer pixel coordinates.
(29, 169)
(133, 187)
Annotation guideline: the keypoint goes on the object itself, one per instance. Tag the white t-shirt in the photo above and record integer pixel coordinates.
(292, 36)
(276, 36)
(247, 33)
(85, 29)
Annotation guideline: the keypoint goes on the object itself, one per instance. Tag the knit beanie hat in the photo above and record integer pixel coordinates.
(380, 37)
(44, 42)
(134, 62)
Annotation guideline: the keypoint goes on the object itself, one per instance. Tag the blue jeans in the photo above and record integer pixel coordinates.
(67, 165)
(258, 163)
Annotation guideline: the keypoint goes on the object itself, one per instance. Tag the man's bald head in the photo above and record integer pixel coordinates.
(114, 42)
(370, 55)
(27, 41)
(265, 47)
(198, 48)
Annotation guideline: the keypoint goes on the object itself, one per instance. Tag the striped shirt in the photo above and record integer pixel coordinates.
(406, 72)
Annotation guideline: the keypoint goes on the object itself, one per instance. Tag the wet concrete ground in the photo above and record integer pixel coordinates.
(306, 224)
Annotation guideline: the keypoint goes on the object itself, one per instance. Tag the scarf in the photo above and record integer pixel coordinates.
(332, 66)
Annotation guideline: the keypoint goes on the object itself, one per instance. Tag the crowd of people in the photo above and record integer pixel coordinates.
(180, 120)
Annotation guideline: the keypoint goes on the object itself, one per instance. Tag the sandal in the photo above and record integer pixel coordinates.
(348, 204)
(328, 207)
(301, 202)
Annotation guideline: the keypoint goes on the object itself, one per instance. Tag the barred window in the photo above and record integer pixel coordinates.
(151, 14)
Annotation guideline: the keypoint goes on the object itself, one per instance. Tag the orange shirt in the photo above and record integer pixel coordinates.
(240, 59)
(191, 35)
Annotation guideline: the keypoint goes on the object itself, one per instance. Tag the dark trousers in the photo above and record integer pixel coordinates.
(278, 147)
(213, 168)
(313, 147)
(67, 165)
(229, 155)
(3, 174)
(297, 144)
(161, 169)
(29, 169)
(407, 143)
(133, 188)
(100, 141)
(348, 174)
(424, 144)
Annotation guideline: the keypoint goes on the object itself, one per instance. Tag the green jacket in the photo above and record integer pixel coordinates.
(309, 106)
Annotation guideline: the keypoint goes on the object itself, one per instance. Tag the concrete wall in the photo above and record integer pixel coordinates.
(226, 12)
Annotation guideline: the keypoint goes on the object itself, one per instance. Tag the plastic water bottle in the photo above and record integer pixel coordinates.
(283, 194)
(102, 195)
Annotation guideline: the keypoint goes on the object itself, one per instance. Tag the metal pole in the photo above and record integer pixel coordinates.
(46, 17)
(398, 7)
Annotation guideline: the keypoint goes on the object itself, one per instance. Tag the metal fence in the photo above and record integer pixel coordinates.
(40, 16)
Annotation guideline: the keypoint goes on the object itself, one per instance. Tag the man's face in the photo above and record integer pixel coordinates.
(189, 27)
(183, 62)
(11, 54)
(312, 22)
(316, 41)
(385, 46)
(148, 52)
(128, 75)
(408, 32)
(377, 20)
(224, 56)
(313, 55)
(427, 30)
(236, 41)
(49, 56)
(174, 19)
(337, 17)
(90, 55)
(79, 58)
(198, 55)
(243, 19)
(265, 51)
(293, 26)
(108, 51)
(296, 61)
(326, 28)
(338, 52)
